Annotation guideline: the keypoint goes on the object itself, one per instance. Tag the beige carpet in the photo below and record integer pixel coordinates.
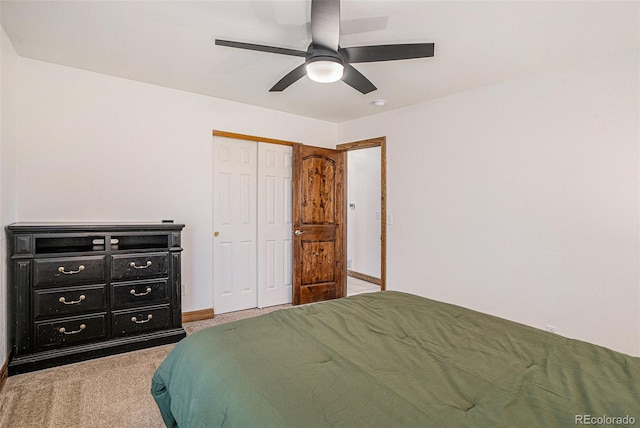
(106, 392)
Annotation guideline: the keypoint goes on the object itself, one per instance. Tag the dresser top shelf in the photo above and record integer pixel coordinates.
(44, 227)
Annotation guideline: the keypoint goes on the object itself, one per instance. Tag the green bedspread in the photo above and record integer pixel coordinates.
(391, 359)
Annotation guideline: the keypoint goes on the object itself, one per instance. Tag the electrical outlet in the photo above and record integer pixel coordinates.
(551, 328)
(184, 288)
(349, 263)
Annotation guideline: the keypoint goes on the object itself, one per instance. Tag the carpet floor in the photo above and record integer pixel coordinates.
(106, 392)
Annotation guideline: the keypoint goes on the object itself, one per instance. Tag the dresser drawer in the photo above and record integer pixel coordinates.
(70, 331)
(139, 293)
(141, 320)
(57, 302)
(68, 270)
(139, 266)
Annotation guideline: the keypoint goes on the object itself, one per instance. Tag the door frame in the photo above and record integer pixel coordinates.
(366, 144)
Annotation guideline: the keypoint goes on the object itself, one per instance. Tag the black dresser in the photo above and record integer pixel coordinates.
(81, 291)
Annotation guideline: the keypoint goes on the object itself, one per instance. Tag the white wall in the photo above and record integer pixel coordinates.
(8, 99)
(99, 148)
(363, 190)
(521, 199)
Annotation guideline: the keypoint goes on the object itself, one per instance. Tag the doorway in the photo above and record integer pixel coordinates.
(366, 214)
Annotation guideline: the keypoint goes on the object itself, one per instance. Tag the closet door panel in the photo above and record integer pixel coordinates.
(234, 224)
(274, 224)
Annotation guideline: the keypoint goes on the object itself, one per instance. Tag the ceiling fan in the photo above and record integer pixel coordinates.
(326, 61)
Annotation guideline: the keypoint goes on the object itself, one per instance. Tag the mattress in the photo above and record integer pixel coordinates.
(390, 359)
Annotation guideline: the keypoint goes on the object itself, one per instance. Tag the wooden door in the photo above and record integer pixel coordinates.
(319, 271)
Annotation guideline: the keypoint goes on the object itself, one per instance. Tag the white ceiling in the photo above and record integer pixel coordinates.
(170, 43)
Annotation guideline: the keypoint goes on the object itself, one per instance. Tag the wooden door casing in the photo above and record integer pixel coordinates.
(365, 144)
(319, 270)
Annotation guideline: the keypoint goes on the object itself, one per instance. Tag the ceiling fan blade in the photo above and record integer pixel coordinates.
(388, 52)
(260, 48)
(356, 80)
(289, 79)
(325, 23)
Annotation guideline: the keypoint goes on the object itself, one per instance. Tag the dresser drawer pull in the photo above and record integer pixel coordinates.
(70, 272)
(73, 302)
(135, 266)
(135, 320)
(133, 292)
(64, 331)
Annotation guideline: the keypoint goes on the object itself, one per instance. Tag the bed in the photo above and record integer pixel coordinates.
(391, 359)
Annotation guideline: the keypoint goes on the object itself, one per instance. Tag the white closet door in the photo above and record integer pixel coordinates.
(274, 224)
(234, 222)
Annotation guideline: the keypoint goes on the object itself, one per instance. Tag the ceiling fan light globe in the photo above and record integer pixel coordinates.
(325, 71)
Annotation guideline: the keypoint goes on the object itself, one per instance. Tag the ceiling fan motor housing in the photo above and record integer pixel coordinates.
(319, 53)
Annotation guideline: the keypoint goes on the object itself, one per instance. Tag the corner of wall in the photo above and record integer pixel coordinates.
(8, 124)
